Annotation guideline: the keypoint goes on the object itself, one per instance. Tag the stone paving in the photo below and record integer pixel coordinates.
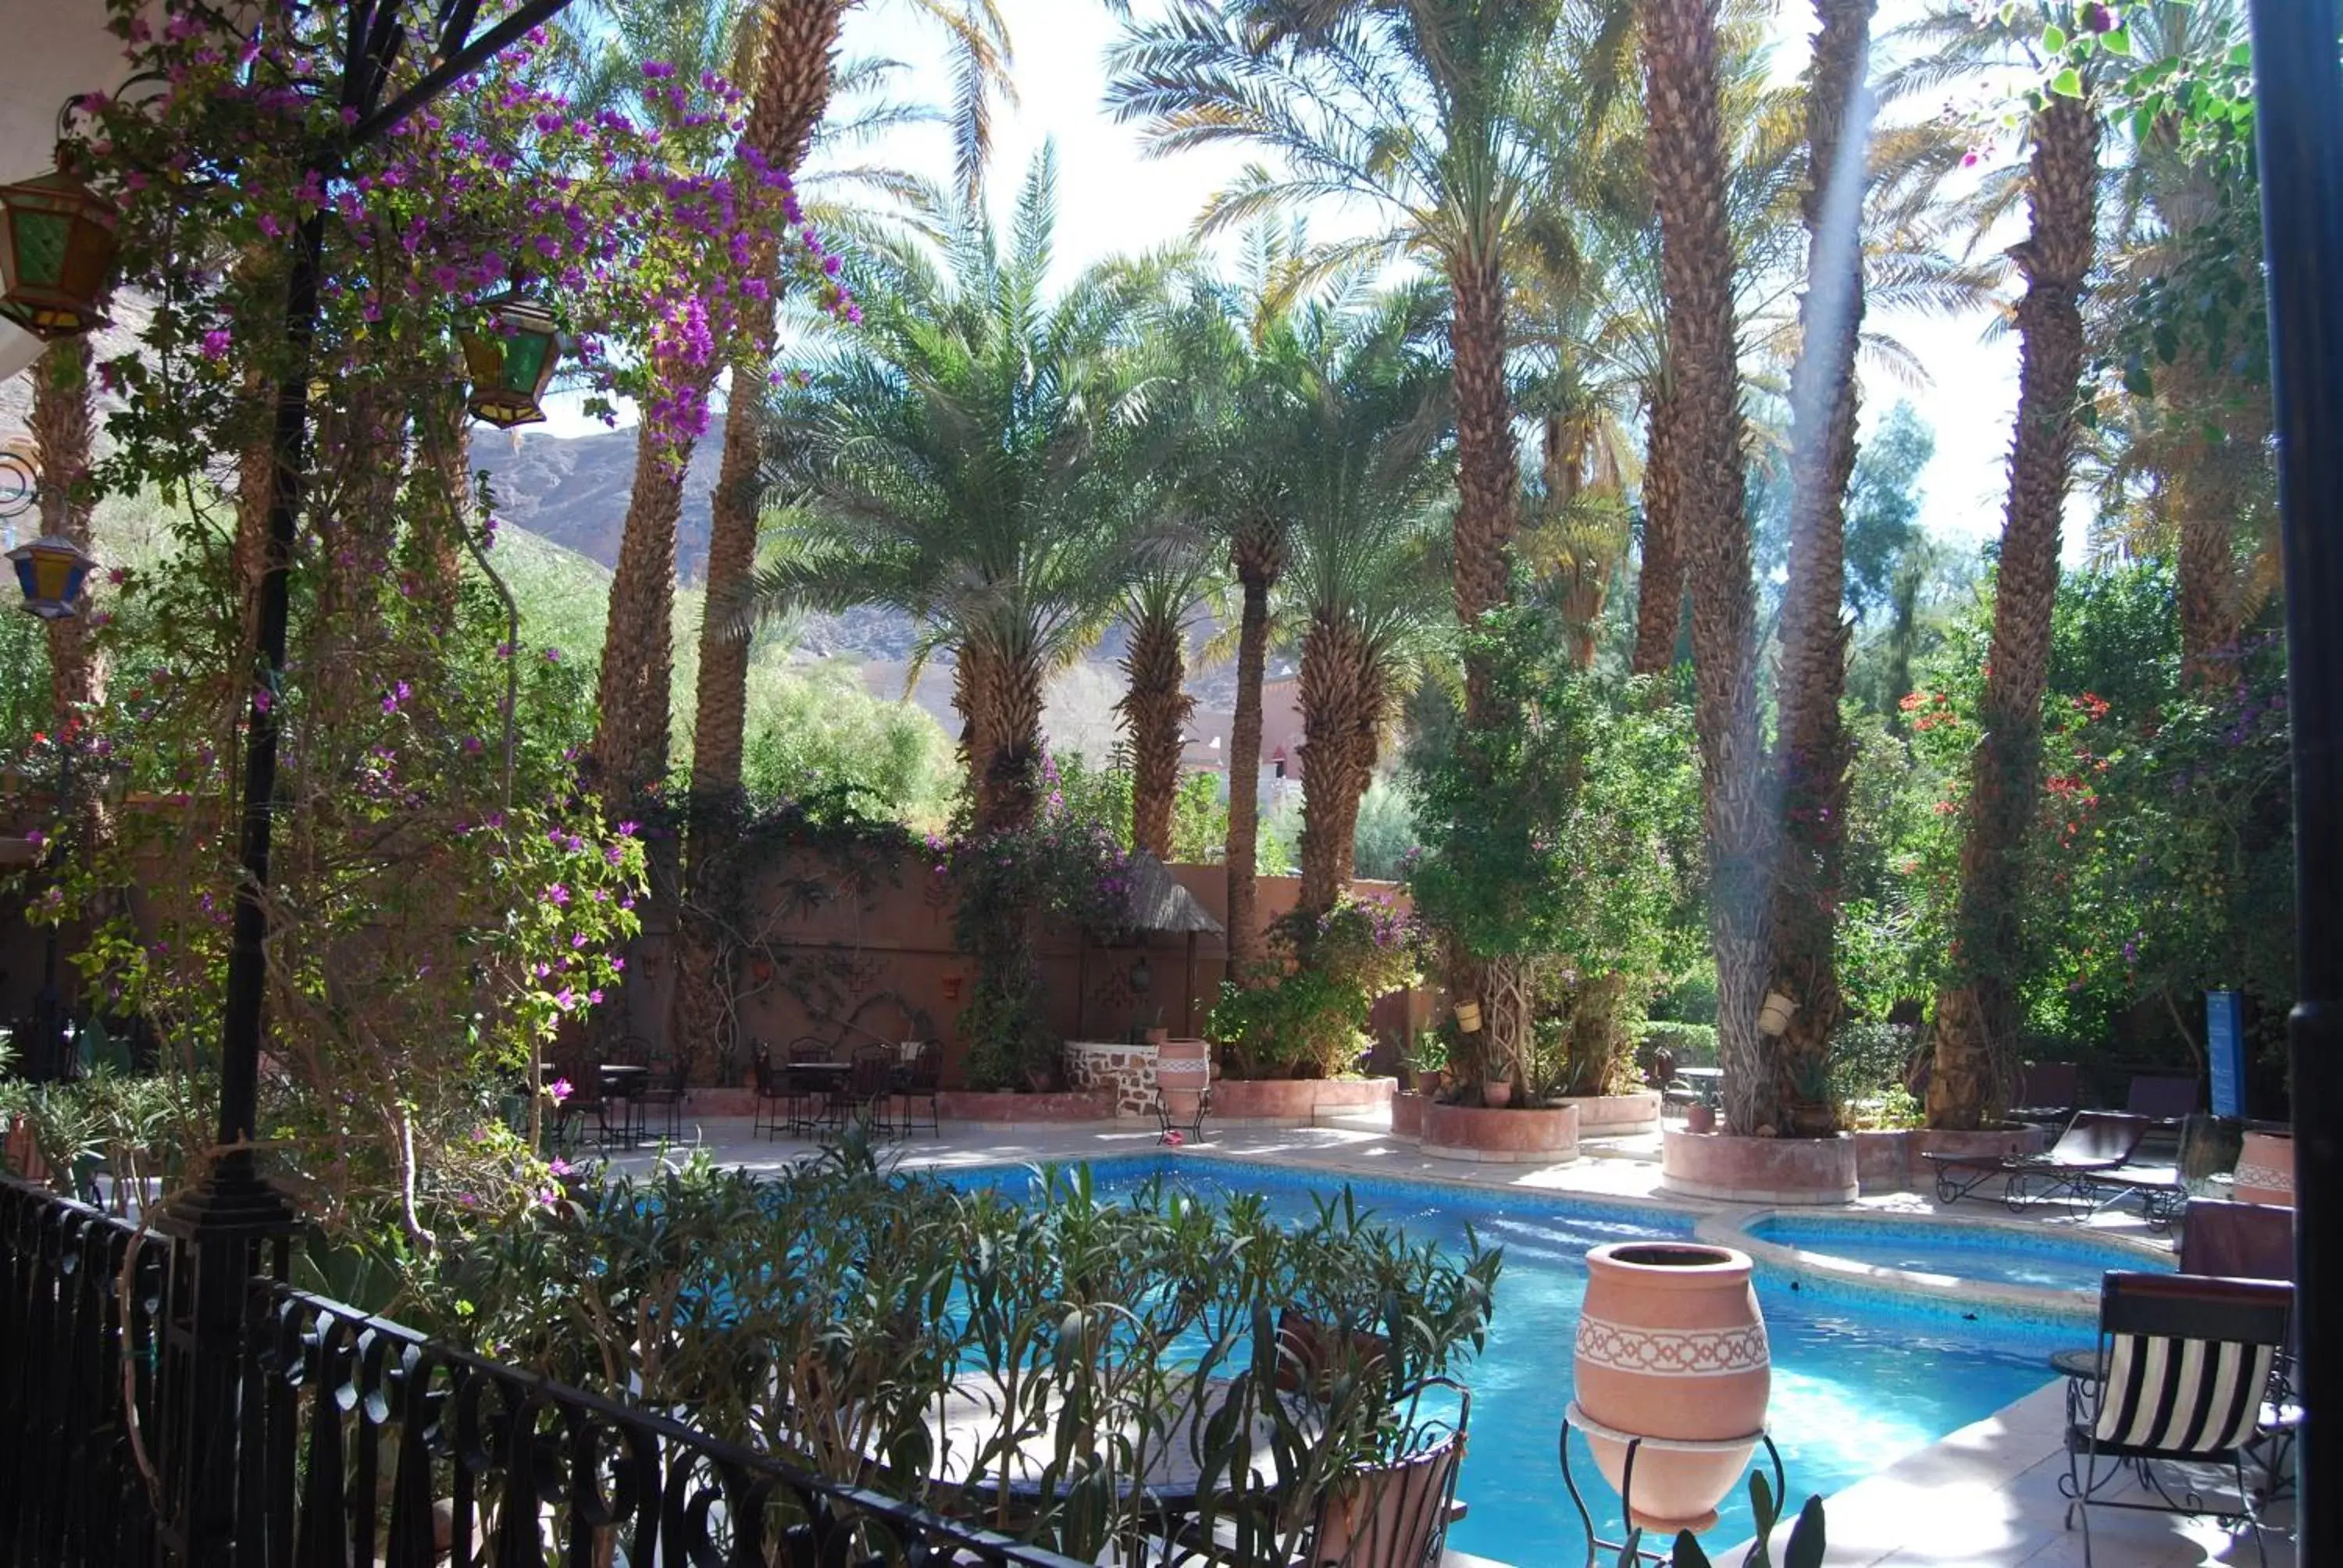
(1984, 1497)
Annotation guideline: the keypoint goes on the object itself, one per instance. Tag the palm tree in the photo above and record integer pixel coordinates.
(950, 455)
(792, 91)
(1977, 1015)
(1155, 705)
(1812, 751)
(1685, 155)
(1412, 107)
(1362, 585)
(60, 420)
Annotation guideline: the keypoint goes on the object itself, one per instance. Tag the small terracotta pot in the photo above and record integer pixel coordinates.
(1157, 1036)
(1671, 1344)
(1431, 1080)
(1496, 1093)
(2265, 1172)
(1700, 1117)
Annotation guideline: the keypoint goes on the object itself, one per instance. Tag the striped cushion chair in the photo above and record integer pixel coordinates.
(2189, 1363)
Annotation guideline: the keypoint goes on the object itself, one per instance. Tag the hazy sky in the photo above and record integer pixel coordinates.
(1112, 199)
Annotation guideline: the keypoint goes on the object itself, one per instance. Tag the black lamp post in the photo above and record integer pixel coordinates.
(2298, 87)
(234, 1212)
(50, 572)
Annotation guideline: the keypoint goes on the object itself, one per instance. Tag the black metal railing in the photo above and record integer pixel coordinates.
(360, 1442)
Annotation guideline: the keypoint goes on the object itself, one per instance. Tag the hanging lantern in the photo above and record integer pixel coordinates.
(56, 251)
(50, 571)
(512, 361)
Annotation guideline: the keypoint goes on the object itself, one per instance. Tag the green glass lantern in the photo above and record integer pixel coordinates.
(56, 252)
(50, 571)
(512, 362)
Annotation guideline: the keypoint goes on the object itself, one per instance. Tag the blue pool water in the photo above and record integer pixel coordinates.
(2059, 1259)
(1857, 1383)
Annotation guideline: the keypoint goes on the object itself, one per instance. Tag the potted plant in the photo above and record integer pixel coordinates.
(1428, 1064)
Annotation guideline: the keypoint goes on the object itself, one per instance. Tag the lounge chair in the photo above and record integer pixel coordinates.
(2095, 1142)
(2048, 1093)
(2189, 1365)
(2237, 1241)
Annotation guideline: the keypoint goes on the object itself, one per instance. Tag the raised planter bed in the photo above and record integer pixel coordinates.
(1007, 1109)
(1543, 1135)
(1759, 1169)
(1407, 1114)
(1605, 1115)
(1882, 1159)
(1296, 1102)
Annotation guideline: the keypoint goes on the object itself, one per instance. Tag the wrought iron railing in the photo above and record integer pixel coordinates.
(361, 1442)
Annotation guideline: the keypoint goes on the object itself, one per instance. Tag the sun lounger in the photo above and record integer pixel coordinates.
(2095, 1143)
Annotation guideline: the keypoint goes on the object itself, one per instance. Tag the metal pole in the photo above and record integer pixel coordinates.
(2299, 129)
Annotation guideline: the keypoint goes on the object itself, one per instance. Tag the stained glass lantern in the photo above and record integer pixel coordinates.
(512, 362)
(50, 571)
(56, 252)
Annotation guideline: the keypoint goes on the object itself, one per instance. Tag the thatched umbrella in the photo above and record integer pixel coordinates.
(1158, 903)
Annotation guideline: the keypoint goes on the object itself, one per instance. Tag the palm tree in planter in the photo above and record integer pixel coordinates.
(957, 459)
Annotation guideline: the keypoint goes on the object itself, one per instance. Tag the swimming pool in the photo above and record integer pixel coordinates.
(1857, 1382)
(2008, 1255)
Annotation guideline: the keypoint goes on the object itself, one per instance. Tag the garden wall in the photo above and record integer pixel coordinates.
(853, 963)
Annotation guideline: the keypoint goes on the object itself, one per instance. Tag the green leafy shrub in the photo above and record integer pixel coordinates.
(1692, 1044)
(1308, 1018)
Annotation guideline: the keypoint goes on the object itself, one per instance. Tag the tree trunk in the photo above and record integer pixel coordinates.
(1258, 559)
(1812, 749)
(793, 75)
(1155, 712)
(62, 421)
(1688, 170)
(1486, 472)
(630, 740)
(1342, 719)
(1583, 572)
(442, 481)
(1004, 692)
(1659, 602)
(1977, 1016)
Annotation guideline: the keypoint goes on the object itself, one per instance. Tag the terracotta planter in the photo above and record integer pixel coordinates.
(1700, 1117)
(1600, 1115)
(1407, 1115)
(2265, 1172)
(1496, 1093)
(1671, 1344)
(1296, 1102)
(1532, 1135)
(1759, 1169)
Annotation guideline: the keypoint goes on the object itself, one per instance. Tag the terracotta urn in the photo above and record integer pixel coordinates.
(2265, 1172)
(1497, 1093)
(1700, 1117)
(1671, 1345)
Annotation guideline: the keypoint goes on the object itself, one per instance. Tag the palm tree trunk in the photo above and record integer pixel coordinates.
(1257, 560)
(1155, 712)
(1812, 749)
(434, 547)
(1686, 153)
(1342, 696)
(630, 740)
(62, 421)
(1659, 603)
(794, 66)
(1977, 1016)
(1004, 689)
(1486, 471)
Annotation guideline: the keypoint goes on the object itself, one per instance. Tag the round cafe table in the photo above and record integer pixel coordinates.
(622, 1086)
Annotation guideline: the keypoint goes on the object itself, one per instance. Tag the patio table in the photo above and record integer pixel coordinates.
(623, 1084)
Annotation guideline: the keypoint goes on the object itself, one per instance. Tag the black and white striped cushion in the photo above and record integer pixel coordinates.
(2183, 1396)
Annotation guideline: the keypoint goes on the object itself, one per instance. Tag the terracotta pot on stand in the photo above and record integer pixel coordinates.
(1671, 1345)
(2265, 1172)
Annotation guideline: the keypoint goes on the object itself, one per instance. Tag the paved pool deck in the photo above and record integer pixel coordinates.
(1984, 1497)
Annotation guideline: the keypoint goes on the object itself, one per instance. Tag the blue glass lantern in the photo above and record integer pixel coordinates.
(51, 571)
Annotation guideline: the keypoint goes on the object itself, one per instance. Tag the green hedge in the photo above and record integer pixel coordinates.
(1695, 1044)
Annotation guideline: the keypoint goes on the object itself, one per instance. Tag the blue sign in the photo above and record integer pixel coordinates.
(2224, 1042)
